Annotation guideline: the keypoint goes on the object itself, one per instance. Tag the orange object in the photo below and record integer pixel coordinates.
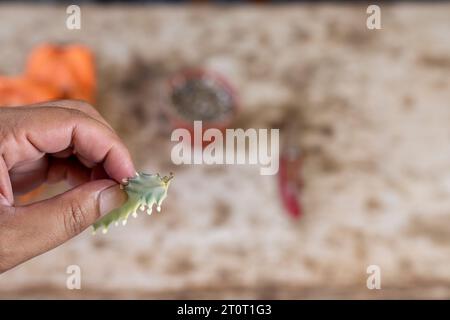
(70, 69)
(31, 196)
(53, 72)
(20, 90)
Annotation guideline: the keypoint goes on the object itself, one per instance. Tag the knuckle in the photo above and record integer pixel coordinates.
(75, 218)
(80, 106)
(10, 127)
(76, 103)
(75, 112)
(82, 111)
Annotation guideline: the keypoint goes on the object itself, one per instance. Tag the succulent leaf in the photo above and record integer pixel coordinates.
(143, 190)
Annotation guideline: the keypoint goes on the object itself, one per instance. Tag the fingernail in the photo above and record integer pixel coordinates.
(111, 198)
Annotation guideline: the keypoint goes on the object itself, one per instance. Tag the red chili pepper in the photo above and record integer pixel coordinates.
(289, 183)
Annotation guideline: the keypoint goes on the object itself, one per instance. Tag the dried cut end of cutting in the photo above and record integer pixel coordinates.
(143, 190)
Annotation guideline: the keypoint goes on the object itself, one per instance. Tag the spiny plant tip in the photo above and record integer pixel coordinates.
(144, 191)
(167, 179)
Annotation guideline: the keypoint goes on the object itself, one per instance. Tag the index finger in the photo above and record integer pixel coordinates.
(29, 133)
(74, 104)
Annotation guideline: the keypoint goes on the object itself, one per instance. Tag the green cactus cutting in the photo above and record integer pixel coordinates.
(143, 190)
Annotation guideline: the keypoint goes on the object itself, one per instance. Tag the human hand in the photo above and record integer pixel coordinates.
(50, 142)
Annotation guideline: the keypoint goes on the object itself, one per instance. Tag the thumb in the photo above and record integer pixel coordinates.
(41, 226)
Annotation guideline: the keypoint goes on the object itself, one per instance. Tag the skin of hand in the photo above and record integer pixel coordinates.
(50, 142)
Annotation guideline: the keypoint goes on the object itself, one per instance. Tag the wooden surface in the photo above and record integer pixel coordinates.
(373, 114)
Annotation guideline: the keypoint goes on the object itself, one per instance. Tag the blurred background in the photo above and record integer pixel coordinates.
(365, 159)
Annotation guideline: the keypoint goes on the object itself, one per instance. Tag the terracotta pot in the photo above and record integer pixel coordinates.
(192, 88)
